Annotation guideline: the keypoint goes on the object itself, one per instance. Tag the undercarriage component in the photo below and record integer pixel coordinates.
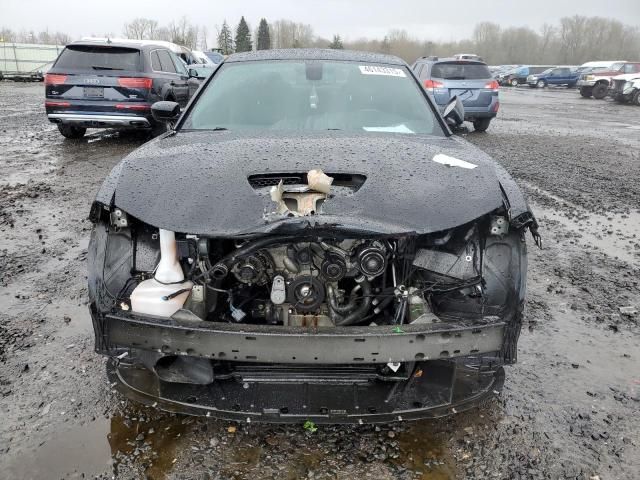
(340, 394)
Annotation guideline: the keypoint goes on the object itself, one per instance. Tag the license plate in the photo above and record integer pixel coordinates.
(94, 92)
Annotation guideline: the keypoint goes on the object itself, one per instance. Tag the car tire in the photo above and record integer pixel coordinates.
(71, 131)
(481, 124)
(513, 82)
(541, 84)
(600, 90)
(586, 92)
(635, 98)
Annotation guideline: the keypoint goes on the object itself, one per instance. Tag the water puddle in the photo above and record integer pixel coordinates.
(122, 445)
(423, 450)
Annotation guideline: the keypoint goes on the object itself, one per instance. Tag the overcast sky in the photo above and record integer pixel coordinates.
(426, 19)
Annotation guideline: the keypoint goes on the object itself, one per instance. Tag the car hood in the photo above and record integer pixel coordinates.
(197, 182)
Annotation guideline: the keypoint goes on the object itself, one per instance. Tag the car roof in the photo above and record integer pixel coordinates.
(602, 63)
(130, 43)
(449, 59)
(315, 54)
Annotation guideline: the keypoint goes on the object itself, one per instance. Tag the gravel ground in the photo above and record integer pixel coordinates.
(569, 408)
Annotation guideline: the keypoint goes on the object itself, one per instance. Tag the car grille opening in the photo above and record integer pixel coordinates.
(352, 181)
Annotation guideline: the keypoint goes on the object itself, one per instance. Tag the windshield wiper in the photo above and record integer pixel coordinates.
(218, 129)
(99, 67)
(455, 78)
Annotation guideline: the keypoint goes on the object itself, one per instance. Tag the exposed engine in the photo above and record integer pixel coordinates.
(314, 281)
(306, 283)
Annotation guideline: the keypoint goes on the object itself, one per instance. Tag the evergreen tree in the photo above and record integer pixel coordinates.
(225, 42)
(264, 36)
(243, 37)
(336, 44)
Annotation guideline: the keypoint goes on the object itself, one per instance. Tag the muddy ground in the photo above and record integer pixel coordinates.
(570, 408)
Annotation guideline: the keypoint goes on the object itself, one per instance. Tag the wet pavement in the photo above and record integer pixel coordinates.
(569, 408)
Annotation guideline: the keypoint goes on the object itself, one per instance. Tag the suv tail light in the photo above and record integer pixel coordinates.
(492, 85)
(50, 103)
(135, 82)
(433, 84)
(124, 106)
(54, 79)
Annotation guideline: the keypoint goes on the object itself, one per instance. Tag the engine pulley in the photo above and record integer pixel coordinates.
(333, 267)
(306, 293)
(371, 261)
(251, 269)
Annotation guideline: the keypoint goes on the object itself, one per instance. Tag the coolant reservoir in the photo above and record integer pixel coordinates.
(166, 293)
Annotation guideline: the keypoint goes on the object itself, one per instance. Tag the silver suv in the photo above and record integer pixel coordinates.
(470, 80)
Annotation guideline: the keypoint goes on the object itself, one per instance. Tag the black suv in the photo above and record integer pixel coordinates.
(104, 84)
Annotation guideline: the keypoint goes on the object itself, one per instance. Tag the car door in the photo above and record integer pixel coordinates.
(561, 76)
(181, 85)
(175, 84)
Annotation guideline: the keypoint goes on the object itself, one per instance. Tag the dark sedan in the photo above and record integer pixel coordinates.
(309, 242)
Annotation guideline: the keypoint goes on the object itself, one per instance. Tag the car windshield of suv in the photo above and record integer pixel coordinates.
(460, 71)
(547, 71)
(313, 96)
(93, 57)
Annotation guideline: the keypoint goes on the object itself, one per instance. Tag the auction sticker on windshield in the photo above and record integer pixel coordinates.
(378, 70)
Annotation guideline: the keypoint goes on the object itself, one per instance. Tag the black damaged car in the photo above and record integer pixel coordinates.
(309, 242)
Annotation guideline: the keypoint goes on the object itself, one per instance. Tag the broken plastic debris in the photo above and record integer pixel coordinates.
(319, 181)
(395, 366)
(302, 202)
(629, 311)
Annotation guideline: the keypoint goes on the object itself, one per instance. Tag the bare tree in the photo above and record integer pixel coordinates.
(7, 35)
(288, 34)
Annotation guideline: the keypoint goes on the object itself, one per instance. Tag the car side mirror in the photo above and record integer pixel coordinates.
(165, 111)
(454, 112)
(193, 73)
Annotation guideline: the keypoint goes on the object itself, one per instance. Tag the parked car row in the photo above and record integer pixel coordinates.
(615, 78)
(103, 83)
(597, 81)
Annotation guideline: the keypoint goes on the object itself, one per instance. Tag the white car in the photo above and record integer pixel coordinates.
(626, 88)
(202, 59)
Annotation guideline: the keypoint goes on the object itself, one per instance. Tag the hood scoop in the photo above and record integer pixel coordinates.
(351, 181)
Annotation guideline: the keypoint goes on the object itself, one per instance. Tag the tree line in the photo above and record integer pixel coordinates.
(573, 40)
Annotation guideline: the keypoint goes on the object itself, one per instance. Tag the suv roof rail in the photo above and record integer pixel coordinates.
(429, 57)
